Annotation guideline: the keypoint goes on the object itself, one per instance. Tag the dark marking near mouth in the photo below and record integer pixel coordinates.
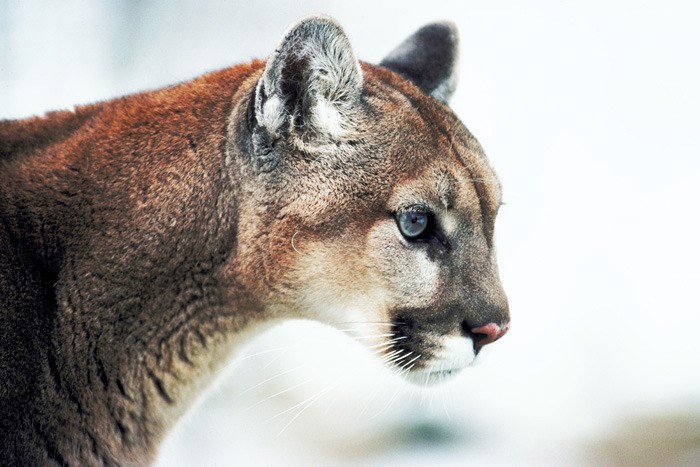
(401, 327)
(412, 337)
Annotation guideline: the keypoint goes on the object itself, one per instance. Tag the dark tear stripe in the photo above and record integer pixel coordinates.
(480, 192)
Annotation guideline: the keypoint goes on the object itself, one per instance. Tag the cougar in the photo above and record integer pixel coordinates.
(143, 239)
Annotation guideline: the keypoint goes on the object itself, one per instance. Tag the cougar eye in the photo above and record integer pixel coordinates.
(413, 224)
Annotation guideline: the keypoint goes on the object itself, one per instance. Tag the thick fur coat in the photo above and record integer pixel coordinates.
(142, 238)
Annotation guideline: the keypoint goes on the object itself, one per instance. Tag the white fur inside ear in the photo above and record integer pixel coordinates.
(273, 114)
(328, 117)
(314, 60)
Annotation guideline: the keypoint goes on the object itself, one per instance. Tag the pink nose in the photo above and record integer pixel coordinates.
(491, 332)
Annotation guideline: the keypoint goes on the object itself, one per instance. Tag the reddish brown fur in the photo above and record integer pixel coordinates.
(119, 207)
(139, 239)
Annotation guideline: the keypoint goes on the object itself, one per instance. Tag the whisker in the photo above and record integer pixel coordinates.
(328, 408)
(393, 398)
(373, 336)
(416, 358)
(407, 370)
(286, 347)
(294, 406)
(389, 356)
(317, 397)
(236, 361)
(424, 395)
(396, 360)
(442, 393)
(387, 405)
(282, 392)
(366, 322)
(399, 338)
(367, 402)
(273, 360)
(383, 344)
(378, 354)
(368, 335)
(271, 378)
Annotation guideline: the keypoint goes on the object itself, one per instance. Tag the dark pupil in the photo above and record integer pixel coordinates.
(412, 223)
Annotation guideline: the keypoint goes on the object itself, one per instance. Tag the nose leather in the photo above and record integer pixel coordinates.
(488, 333)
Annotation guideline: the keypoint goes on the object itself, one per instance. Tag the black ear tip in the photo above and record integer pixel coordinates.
(428, 58)
(443, 35)
(447, 29)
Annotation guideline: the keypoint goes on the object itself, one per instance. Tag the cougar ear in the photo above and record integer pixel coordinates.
(311, 82)
(428, 59)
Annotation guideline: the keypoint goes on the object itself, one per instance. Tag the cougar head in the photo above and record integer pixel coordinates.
(368, 204)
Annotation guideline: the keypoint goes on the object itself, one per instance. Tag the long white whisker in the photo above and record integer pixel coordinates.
(317, 397)
(372, 336)
(367, 402)
(283, 391)
(393, 398)
(397, 359)
(416, 358)
(331, 403)
(272, 377)
(442, 393)
(425, 393)
(360, 330)
(364, 322)
(236, 361)
(272, 360)
(286, 347)
(382, 345)
(356, 330)
(295, 406)
(384, 358)
(386, 346)
(386, 406)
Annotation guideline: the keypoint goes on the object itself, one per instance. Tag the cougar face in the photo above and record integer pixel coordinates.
(380, 203)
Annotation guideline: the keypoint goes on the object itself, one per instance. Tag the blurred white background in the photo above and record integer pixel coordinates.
(589, 112)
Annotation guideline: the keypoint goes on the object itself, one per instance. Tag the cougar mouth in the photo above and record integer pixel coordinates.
(455, 354)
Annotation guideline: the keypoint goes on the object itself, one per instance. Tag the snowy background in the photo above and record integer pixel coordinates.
(590, 113)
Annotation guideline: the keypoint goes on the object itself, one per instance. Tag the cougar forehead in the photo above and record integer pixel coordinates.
(403, 144)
